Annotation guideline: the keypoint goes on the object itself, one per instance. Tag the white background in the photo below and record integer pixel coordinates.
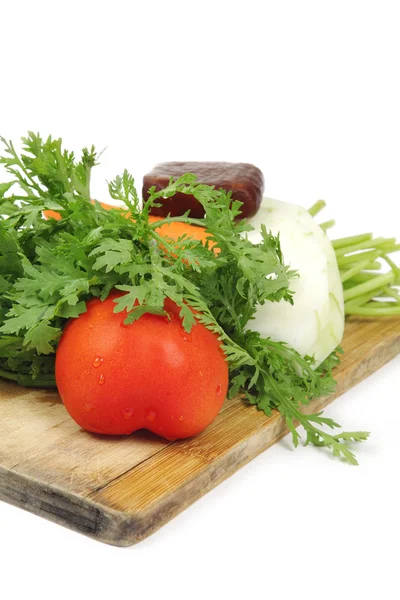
(309, 92)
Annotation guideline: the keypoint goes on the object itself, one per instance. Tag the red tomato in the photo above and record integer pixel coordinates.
(115, 378)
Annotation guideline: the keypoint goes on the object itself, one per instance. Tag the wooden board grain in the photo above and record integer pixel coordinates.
(120, 490)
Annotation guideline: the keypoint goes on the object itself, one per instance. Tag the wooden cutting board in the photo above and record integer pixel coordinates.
(120, 490)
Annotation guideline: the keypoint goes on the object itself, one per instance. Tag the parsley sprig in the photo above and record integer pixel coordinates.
(50, 268)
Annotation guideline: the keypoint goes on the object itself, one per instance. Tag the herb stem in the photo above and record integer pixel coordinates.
(182, 219)
(328, 224)
(373, 284)
(349, 241)
(368, 244)
(373, 265)
(392, 292)
(346, 275)
(378, 304)
(362, 277)
(373, 312)
(317, 207)
(362, 299)
(371, 255)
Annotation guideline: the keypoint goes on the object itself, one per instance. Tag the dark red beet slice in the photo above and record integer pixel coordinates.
(245, 181)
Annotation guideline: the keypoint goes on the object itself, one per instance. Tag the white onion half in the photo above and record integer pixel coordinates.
(314, 325)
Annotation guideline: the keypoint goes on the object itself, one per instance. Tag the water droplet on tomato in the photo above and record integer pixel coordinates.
(88, 407)
(218, 390)
(186, 336)
(127, 413)
(97, 361)
(180, 418)
(102, 380)
(151, 415)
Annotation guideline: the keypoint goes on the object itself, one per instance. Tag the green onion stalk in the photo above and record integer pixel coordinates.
(368, 290)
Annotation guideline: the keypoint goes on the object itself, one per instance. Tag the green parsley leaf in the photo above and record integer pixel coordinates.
(40, 336)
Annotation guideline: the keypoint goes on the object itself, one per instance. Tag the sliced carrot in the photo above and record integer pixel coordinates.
(177, 229)
(52, 214)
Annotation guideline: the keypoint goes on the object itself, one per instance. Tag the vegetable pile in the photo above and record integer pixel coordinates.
(50, 269)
